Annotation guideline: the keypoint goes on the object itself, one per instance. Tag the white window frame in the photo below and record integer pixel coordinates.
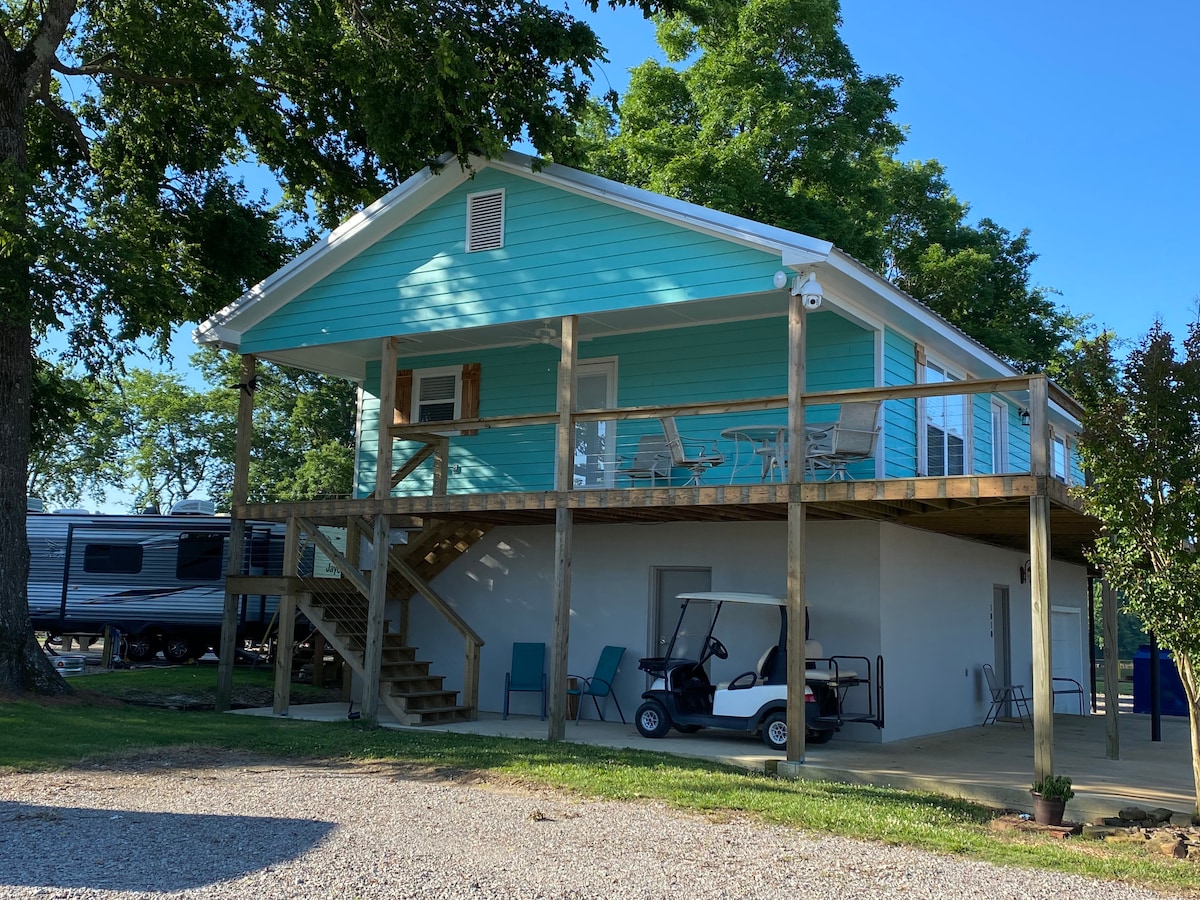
(1000, 459)
(419, 375)
(606, 366)
(1057, 441)
(950, 374)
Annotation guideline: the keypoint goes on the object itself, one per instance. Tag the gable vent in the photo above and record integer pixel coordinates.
(485, 221)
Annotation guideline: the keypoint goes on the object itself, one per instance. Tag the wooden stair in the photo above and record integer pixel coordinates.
(407, 688)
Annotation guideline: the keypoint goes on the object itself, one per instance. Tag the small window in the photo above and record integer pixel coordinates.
(200, 557)
(117, 559)
(485, 221)
(1058, 463)
(436, 395)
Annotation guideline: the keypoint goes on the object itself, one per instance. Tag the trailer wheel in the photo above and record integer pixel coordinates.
(177, 649)
(140, 647)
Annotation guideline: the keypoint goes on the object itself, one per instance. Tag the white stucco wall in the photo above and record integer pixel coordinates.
(936, 614)
(922, 600)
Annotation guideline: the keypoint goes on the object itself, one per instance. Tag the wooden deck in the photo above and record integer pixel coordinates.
(993, 509)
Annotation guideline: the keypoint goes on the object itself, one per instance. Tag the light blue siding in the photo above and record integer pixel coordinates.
(711, 362)
(563, 255)
(981, 437)
(900, 416)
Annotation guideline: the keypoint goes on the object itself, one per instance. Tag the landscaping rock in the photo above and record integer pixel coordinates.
(1160, 815)
(1133, 813)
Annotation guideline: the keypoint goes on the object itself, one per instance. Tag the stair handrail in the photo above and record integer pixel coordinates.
(397, 562)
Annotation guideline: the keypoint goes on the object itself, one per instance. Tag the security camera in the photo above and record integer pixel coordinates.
(809, 290)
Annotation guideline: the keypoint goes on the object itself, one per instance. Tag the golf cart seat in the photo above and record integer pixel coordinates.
(819, 667)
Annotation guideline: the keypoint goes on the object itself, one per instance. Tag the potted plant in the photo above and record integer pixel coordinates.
(1050, 796)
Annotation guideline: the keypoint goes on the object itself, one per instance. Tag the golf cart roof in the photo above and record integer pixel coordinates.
(733, 597)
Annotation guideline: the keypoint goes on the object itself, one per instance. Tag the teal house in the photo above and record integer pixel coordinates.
(579, 399)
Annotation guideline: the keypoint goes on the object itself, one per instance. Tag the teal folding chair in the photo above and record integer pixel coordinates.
(600, 684)
(528, 673)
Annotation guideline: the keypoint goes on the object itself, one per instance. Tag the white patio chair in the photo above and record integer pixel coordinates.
(851, 438)
(690, 453)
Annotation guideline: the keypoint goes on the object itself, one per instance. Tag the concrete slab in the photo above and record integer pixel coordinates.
(992, 765)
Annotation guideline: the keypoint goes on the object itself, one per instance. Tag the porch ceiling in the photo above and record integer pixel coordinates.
(990, 509)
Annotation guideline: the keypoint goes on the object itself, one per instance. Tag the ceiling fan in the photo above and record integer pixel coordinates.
(545, 334)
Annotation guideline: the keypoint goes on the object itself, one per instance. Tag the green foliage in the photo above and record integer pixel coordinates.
(1054, 787)
(772, 119)
(1141, 444)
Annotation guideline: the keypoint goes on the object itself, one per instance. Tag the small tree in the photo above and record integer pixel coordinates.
(1141, 442)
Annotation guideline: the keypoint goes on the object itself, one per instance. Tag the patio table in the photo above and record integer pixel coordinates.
(768, 442)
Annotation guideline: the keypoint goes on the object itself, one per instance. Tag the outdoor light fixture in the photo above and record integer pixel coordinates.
(1023, 416)
(780, 280)
(809, 290)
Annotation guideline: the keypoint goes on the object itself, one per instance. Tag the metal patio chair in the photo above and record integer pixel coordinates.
(600, 684)
(1003, 694)
(528, 673)
(690, 453)
(851, 438)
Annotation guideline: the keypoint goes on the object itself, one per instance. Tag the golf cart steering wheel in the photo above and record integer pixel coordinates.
(717, 649)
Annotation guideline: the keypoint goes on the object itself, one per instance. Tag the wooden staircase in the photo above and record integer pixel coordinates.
(339, 611)
(407, 688)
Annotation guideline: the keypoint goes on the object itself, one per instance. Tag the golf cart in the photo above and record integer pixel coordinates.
(683, 696)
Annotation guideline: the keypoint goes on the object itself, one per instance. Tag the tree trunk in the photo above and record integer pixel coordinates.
(23, 666)
(1187, 674)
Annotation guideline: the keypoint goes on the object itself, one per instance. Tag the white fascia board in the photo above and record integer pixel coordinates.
(209, 334)
(342, 244)
(794, 249)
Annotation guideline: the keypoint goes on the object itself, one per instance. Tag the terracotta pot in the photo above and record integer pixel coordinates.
(1048, 812)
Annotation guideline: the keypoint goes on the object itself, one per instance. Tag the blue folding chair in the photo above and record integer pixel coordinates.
(600, 684)
(528, 673)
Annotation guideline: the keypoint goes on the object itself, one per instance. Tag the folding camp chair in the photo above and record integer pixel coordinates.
(600, 684)
(528, 673)
(1003, 694)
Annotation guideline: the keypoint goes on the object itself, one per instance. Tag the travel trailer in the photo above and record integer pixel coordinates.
(158, 579)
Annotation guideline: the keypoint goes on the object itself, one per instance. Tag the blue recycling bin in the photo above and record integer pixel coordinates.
(1174, 700)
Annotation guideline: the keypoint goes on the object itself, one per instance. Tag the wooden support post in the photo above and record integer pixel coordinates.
(796, 564)
(227, 649)
(387, 418)
(1039, 579)
(564, 473)
(373, 654)
(470, 692)
(441, 466)
(1112, 686)
(287, 622)
(106, 654)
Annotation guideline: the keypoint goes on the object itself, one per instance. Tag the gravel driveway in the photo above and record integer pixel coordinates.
(226, 826)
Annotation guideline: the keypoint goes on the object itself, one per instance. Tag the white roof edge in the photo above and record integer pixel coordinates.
(848, 265)
(794, 249)
(335, 240)
(663, 207)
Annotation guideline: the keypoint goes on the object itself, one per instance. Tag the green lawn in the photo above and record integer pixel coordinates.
(93, 727)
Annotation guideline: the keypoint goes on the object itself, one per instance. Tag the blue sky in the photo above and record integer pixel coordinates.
(1078, 121)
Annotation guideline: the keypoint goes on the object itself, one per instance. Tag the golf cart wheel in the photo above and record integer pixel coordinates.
(687, 729)
(652, 719)
(140, 647)
(775, 730)
(818, 736)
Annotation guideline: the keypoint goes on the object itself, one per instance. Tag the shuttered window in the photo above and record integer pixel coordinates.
(485, 221)
(437, 397)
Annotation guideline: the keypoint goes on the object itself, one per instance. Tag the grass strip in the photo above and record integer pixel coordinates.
(47, 736)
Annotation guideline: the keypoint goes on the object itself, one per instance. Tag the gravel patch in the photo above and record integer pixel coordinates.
(233, 826)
